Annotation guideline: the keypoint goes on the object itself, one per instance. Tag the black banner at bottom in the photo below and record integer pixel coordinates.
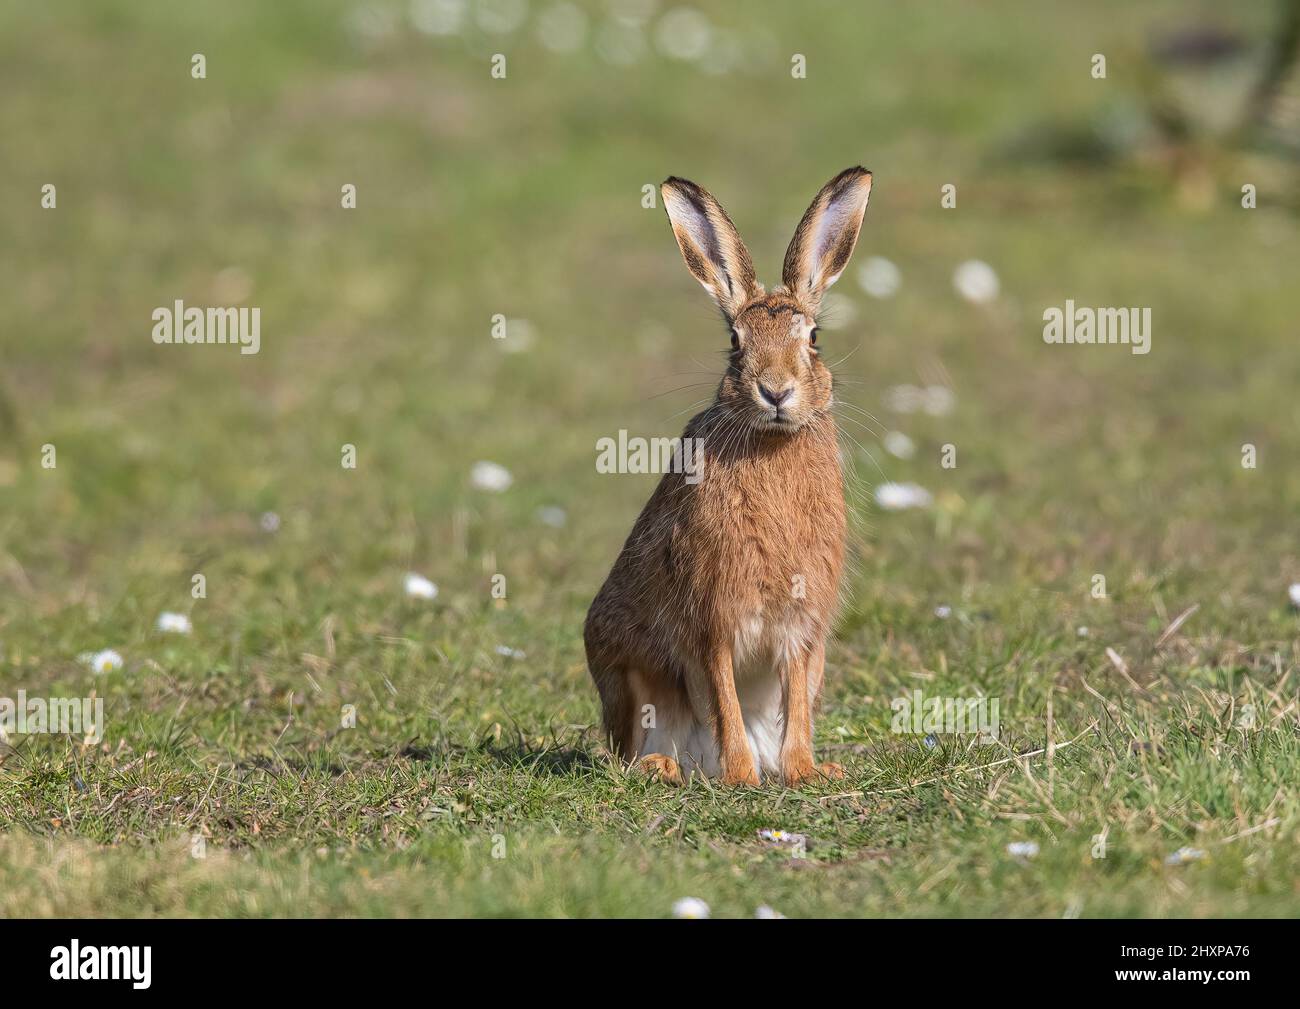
(338, 959)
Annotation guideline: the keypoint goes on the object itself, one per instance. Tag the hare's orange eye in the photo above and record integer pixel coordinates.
(812, 338)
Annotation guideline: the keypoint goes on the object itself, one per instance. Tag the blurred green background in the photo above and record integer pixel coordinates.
(522, 197)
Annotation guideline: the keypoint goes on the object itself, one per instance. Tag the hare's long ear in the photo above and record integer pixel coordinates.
(710, 245)
(825, 238)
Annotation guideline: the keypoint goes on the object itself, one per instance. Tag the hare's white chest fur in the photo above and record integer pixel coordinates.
(684, 735)
(763, 642)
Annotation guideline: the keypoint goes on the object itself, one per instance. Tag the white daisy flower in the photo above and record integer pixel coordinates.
(763, 911)
(976, 281)
(900, 496)
(419, 587)
(102, 662)
(899, 445)
(690, 907)
(904, 398)
(490, 476)
(938, 400)
(1023, 849)
(174, 623)
(786, 837)
(879, 277)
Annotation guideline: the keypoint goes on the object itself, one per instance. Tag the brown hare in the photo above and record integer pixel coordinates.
(707, 640)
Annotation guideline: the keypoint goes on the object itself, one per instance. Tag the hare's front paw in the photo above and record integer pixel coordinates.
(738, 768)
(661, 768)
(745, 777)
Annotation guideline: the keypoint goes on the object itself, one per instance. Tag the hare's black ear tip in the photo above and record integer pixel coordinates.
(849, 178)
(857, 179)
(677, 182)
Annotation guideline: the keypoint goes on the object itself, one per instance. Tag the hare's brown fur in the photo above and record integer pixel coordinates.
(707, 640)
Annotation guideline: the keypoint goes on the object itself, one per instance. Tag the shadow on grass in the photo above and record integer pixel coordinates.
(558, 760)
(561, 761)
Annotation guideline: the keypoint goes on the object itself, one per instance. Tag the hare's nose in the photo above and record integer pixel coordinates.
(775, 398)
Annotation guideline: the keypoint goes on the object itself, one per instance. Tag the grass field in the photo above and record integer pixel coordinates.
(473, 781)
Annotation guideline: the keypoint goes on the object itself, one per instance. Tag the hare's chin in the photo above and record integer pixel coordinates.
(783, 424)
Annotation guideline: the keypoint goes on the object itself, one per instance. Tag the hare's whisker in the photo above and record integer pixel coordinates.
(680, 388)
(698, 403)
(832, 367)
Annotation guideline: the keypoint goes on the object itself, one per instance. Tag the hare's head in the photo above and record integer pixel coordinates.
(776, 377)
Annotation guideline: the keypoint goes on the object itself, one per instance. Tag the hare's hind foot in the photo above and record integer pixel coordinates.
(796, 776)
(660, 767)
